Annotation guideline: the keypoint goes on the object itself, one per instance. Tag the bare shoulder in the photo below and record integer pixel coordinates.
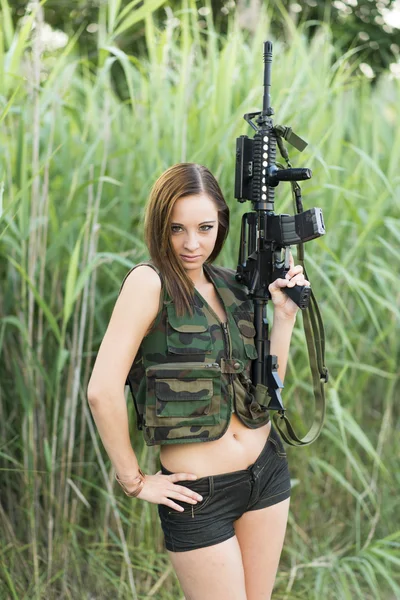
(142, 275)
(140, 296)
(134, 312)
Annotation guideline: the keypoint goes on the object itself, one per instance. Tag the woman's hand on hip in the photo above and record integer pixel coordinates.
(163, 489)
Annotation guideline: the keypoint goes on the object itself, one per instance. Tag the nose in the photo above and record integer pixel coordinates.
(191, 242)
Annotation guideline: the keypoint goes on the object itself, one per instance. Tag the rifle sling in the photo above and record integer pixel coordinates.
(315, 339)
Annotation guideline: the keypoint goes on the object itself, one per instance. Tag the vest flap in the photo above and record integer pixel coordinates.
(178, 389)
(195, 324)
(244, 321)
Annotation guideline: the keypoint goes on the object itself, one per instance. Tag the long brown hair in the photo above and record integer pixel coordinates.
(184, 179)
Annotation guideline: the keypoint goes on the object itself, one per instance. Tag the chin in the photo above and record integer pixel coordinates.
(189, 266)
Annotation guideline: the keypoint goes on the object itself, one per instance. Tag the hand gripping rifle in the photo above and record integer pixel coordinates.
(265, 242)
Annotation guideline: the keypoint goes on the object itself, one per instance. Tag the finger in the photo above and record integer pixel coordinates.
(186, 492)
(294, 282)
(295, 270)
(291, 260)
(181, 476)
(193, 498)
(278, 284)
(172, 504)
(298, 280)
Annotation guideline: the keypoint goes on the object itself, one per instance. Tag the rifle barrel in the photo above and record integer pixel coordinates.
(267, 76)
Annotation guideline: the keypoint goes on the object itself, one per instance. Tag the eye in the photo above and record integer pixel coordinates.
(176, 228)
(206, 227)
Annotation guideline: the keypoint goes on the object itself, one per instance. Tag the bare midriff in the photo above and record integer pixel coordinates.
(237, 449)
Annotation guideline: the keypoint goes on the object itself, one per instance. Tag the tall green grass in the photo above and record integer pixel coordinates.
(77, 163)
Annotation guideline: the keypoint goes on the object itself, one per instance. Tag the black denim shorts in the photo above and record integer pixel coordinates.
(225, 498)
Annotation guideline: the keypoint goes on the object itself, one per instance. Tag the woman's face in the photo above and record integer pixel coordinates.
(194, 228)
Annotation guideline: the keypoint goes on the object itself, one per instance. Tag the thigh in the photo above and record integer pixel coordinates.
(260, 534)
(212, 572)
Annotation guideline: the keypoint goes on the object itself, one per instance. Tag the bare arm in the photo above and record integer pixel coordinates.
(134, 312)
(285, 311)
(281, 334)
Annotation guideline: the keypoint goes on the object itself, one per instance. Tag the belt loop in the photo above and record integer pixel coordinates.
(210, 485)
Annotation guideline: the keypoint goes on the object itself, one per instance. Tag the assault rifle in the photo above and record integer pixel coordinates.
(265, 242)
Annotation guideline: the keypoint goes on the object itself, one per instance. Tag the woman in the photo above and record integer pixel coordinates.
(181, 335)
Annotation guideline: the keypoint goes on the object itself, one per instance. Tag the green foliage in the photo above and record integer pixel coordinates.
(370, 26)
(77, 164)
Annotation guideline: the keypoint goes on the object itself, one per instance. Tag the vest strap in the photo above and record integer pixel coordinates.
(232, 365)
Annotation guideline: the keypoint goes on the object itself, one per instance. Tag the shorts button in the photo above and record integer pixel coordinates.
(236, 365)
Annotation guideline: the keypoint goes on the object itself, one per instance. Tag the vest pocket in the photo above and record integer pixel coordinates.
(244, 321)
(183, 394)
(188, 335)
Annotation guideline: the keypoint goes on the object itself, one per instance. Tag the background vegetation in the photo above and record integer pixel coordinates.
(371, 25)
(77, 163)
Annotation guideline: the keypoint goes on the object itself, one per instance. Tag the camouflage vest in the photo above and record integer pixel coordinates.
(191, 373)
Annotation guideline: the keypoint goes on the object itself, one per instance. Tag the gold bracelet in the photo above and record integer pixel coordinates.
(136, 491)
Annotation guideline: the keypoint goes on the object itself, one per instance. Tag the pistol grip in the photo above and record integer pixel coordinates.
(300, 294)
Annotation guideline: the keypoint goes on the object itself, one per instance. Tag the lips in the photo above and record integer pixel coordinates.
(187, 258)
